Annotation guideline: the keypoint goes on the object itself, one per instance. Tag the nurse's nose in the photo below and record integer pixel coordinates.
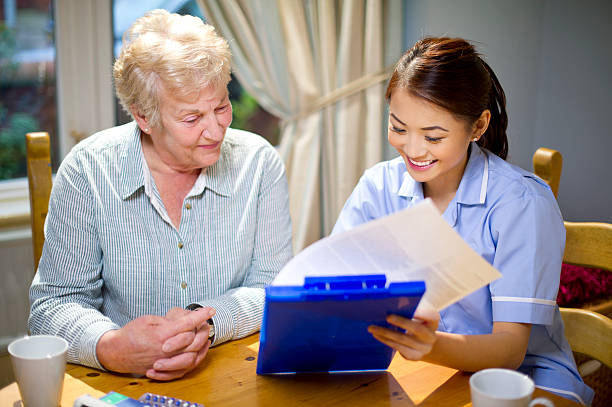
(415, 147)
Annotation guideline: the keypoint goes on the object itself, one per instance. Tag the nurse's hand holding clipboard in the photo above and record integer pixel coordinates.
(419, 334)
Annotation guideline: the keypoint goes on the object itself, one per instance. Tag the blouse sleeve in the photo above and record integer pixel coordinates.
(529, 237)
(66, 293)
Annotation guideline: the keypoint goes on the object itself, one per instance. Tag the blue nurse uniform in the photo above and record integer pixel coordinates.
(511, 218)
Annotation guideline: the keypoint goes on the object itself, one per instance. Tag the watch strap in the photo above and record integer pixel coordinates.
(211, 331)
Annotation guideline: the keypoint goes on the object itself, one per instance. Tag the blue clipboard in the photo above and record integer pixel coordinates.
(322, 326)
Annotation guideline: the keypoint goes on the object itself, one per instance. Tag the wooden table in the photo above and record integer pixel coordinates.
(227, 378)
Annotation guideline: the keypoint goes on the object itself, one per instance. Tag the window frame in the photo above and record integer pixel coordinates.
(85, 98)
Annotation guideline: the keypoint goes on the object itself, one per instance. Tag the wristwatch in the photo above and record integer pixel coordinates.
(211, 329)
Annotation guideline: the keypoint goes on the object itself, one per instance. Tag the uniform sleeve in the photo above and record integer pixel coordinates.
(365, 203)
(65, 295)
(530, 238)
(240, 310)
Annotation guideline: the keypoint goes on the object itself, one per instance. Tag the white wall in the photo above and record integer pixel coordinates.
(17, 271)
(574, 108)
(553, 59)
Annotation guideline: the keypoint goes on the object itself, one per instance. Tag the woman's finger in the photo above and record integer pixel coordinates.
(164, 376)
(182, 361)
(179, 342)
(202, 354)
(200, 340)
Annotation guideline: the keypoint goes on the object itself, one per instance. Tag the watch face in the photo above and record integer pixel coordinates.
(193, 307)
(211, 330)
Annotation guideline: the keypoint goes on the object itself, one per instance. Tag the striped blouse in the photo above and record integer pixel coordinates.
(111, 254)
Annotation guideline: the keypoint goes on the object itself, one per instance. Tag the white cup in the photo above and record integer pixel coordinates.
(39, 363)
(503, 388)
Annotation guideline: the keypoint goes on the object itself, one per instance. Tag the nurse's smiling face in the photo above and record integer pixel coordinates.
(431, 140)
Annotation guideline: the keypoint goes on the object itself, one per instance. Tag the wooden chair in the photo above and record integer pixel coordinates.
(588, 329)
(547, 165)
(588, 244)
(38, 151)
(589, 333)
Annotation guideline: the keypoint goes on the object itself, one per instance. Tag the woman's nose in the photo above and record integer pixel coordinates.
(213, 132)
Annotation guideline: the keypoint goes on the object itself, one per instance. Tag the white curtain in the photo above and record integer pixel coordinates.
(322, 67)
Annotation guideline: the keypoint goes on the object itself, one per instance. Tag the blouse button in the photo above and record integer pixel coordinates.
(188, 206)
(180, 245)
(183, 285)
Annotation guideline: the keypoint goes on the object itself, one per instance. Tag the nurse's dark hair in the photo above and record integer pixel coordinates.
(451, 74)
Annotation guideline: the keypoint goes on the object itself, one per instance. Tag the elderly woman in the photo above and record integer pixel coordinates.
(162, 233)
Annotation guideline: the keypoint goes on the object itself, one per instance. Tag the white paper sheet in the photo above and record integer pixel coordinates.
(411, 245)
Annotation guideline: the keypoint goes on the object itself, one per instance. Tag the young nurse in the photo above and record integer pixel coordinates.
(447, 120)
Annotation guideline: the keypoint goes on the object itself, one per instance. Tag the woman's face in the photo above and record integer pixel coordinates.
(430, 139)
(191, 130)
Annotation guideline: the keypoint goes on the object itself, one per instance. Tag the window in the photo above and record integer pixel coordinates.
(68, 99)
(74, 97)
(27, 80)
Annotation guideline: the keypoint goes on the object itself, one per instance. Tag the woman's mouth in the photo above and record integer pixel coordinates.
(421, 165)
(209, 146)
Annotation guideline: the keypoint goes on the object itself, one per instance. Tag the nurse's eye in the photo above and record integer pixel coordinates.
(190, 119)
(433, 139)
(397, 130)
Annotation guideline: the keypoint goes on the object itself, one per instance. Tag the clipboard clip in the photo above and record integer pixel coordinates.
(361, 282)
(344, 287)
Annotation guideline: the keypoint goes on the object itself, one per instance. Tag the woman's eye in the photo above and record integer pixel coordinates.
(221, 109)
(397, 130)
(191, 119)
(433, 139)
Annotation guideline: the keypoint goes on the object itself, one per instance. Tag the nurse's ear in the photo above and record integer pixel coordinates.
(481, 125)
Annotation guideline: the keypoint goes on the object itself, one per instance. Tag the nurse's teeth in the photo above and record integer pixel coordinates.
(421, 163)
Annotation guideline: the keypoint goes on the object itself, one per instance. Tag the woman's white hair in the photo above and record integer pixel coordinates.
(180, 52)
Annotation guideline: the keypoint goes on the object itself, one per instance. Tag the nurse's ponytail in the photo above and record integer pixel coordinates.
(495, 138)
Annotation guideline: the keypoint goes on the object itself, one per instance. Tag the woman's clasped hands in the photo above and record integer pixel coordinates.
(162, 348)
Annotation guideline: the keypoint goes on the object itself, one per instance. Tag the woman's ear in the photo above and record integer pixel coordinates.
(481, 124)
(141, 120)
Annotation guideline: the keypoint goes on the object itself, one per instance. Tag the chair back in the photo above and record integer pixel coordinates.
(588, 244)
(38, 151)
(589, 332)
(547, 165)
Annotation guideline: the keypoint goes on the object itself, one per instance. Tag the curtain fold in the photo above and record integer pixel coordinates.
(292, 56)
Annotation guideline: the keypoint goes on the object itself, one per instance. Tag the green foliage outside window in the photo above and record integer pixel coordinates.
(12, 144)
(13, 125)
(243, 108)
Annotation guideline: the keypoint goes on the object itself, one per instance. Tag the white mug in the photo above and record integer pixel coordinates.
(39, 363)
(503, 388)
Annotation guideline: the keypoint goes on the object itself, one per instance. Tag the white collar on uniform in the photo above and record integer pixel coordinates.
(473, 187)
